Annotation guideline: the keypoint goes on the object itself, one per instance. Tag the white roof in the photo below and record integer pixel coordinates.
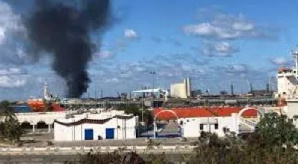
(147, 90)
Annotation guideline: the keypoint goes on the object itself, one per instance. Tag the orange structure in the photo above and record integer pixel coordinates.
(201, 112)
(38, 105)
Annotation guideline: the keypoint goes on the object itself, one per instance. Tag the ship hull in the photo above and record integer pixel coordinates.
(40, 106)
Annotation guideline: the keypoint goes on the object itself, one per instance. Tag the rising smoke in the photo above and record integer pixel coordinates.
(64, 32)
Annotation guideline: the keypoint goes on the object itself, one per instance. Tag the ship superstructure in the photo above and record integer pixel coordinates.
(288, 89)
(287, 79)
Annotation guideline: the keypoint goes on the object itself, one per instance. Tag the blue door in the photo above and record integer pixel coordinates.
(110, 133)
(88, 134)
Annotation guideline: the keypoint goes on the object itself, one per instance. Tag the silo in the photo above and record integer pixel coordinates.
(188, 87)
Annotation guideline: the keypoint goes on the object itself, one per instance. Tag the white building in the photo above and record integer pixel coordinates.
(158, 92)
(291, 110)
(181, 90)
(193, 121)
(95, 127)
(192, 127)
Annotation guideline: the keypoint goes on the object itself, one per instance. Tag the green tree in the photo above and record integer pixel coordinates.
(5, 108)
(136, 111)
(213, 150)
(272, 142)
(277, 130)
(109, 158)
(5, 103)
(12, 128)
(148, 117)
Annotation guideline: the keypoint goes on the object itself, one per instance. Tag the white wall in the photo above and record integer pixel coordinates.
(48, 117)
(34, 117)
(292, 110)
(126, 130)
(191, 126)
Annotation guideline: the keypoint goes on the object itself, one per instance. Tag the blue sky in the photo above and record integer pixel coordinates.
(214, 42)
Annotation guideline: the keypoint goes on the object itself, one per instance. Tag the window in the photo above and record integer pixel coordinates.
(216, 126)
(201, 126)
(226, 130)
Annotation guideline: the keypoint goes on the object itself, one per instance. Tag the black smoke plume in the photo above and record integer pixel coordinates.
(63, 31)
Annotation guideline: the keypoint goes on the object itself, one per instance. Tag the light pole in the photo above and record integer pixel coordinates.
(153, 74)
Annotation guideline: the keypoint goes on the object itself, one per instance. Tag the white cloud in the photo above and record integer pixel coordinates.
(112, 80)
(279, 61)
(130, 33)
(200, 29)
(9, 21)
(12, 71)
(223, 47)
(224, 27)
(220, 49)
(12, 35)
(237, 68)
(243, 26)
(11, 82)
(104, 55)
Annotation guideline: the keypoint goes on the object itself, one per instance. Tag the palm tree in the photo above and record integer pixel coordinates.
(5, 108)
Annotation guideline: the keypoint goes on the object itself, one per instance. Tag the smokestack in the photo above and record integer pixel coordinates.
(231, 86)
(63, 31)
(187, 85)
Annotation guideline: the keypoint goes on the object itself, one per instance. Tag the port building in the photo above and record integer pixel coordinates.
(97, 126)
(193, 121)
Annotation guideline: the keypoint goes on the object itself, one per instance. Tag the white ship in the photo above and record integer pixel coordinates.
(287, 94)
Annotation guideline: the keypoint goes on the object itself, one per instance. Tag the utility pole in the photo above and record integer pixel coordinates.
(231, 86)
(143, 110)
(153, 74)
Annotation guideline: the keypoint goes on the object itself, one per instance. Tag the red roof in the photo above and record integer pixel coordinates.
(202, 112)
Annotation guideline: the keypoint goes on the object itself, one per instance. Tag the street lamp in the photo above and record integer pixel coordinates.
(153, 74)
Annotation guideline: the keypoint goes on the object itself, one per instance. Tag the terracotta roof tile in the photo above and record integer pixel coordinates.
(202, 112)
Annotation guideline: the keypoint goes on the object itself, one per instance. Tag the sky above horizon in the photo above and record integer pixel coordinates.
(214, 42)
